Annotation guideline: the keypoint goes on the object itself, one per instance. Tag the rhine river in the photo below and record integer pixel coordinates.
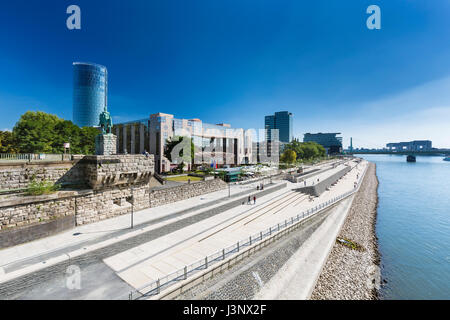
(413, 226)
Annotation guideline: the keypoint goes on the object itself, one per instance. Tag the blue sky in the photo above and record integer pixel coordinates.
(235, 61)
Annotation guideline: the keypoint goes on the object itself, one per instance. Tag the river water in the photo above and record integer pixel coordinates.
(413, 226)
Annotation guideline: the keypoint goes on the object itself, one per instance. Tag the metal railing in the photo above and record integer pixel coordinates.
(155, 287)
(28, 157)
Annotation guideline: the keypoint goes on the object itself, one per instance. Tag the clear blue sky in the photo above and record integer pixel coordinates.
(235, 61)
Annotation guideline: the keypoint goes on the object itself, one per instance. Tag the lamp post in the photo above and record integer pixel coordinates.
(132, 207)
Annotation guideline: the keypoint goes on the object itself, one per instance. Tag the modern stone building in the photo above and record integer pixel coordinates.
(215, 144)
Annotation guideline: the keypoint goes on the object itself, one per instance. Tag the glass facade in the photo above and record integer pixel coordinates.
(283, 121)
(329, 141)
(90, 93)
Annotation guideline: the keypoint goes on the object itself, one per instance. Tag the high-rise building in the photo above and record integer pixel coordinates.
(283, 121)
(90, 93)
(329, 141)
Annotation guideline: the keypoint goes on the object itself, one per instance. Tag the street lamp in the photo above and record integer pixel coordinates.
(132, 207)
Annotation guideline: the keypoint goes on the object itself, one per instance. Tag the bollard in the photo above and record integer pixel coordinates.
(223, 254)
(260, 234)
(157, 286)
(206, 262)
(185, 272)
(250, 240)
(238, 246)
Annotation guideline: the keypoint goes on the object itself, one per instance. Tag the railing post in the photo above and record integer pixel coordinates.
(206, 262)
(185, 272)
(157, 286)
(250, 240)
(260, 234)
(278, 227)
(238, 246)
(223, 254)
(270, 231)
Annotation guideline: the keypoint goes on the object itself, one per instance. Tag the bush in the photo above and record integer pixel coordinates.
(37, 188)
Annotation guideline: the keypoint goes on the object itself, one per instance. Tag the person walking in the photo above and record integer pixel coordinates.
(254, 200)
(249, 200)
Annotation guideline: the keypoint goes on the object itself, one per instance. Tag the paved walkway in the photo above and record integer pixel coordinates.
(20, 256)
(36, 269)
(155, 259)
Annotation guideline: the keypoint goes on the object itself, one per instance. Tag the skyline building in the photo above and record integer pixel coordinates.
(283, 121)
(329, 141)
(90, 93)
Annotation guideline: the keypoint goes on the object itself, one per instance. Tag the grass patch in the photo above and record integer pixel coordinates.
(350, 244)
(184, 179)
(37, 188)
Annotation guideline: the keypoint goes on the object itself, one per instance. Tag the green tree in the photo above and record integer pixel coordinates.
(306, 150)
(7, 143)
(35, 132)
(289, 156)
(40, 132)
(171, 143)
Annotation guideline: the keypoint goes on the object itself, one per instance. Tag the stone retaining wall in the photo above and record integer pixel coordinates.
(17, 175)
(29, 215)
(159, 197)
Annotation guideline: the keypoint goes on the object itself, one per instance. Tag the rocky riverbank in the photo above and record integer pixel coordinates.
(351, 271)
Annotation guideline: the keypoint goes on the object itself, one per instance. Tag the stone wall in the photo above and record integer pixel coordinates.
(114, 170)
(21, 211)
(162, 196)
(17, 175)
(104, 204)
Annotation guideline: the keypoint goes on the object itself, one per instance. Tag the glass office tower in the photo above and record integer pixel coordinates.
(90, 93)
(283, 121)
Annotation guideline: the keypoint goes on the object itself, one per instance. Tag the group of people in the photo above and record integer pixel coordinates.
(249, 200)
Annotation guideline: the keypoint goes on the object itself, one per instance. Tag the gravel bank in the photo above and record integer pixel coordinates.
(348, 273)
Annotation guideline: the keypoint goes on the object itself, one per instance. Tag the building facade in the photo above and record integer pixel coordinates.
(416, 145)
(90, 93)
(330, 141)
(283, 121)
(214, 144)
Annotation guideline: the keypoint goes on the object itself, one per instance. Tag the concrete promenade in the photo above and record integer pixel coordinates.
(165, 238)
(154, 260)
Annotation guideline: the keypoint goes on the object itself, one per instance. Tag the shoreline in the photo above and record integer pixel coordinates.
(351, 274)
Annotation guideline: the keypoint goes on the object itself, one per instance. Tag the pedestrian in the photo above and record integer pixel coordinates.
(257, 188)
(249, 200)
(305, 183)
(254, 200)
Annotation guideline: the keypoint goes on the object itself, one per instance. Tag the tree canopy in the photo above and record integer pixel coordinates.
(40, 132)
(289, 156)
(7, 142)
(180, 143)
(306, 150)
